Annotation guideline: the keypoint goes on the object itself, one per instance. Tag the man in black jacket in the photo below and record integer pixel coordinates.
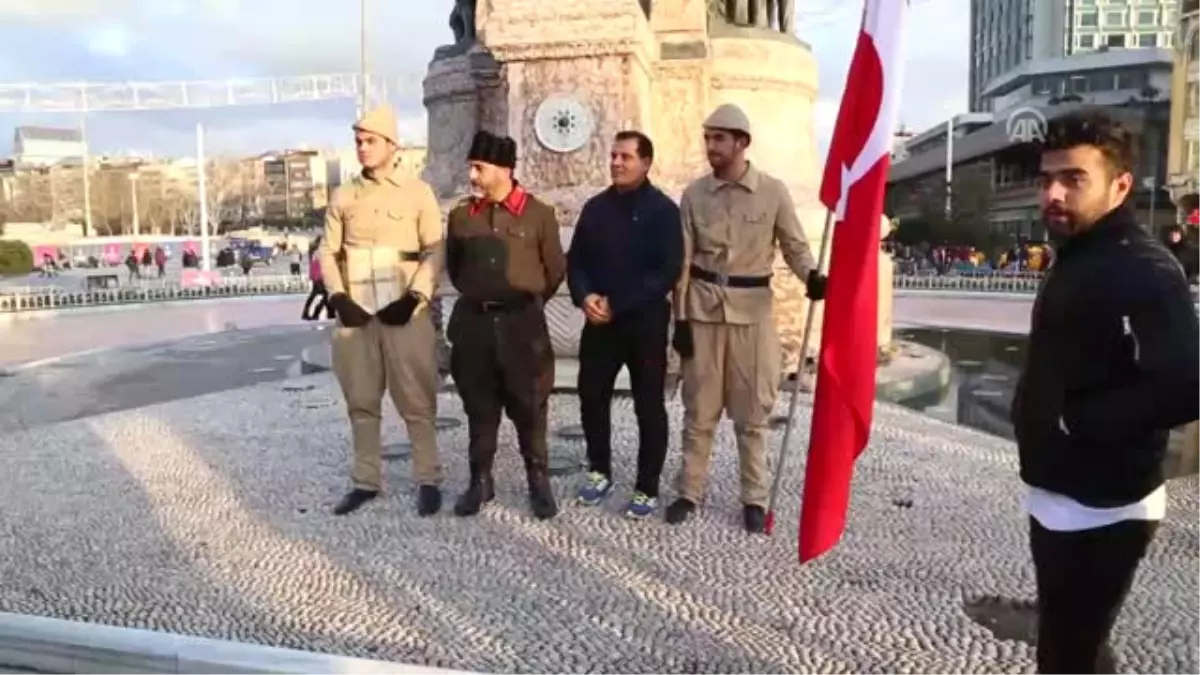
(625, 257)
(1111, 367)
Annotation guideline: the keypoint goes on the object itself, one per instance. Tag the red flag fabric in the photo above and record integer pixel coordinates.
(852, 188)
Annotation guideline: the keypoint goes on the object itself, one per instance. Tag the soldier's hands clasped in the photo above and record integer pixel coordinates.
(349, 313)
(399, 312)
(816, 285)
(682, 340)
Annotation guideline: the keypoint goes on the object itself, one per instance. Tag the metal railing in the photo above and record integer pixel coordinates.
(985, 283)
(34, 298)
(56, 298)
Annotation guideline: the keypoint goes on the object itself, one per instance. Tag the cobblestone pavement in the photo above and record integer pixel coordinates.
(211, 517)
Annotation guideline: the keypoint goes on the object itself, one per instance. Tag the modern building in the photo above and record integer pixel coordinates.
(1005, 34)
(992, 187)
(295, 185)
(1183, 153)
(44, 146)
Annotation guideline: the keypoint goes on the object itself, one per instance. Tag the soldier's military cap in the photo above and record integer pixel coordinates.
(382, 121)
(728, 117)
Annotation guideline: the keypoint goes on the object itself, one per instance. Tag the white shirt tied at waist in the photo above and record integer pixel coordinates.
(1060, 513)
(373, 276)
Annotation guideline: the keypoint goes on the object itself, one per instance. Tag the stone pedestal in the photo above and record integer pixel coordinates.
(599, 54)
(664, 76)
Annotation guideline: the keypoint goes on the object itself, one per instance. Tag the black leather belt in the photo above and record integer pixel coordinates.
(730, 280)
(405, 256)
(511, 304)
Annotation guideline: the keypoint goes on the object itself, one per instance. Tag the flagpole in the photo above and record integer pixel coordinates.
(791, 417)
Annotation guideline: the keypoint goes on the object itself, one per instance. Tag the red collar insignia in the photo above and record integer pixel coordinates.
(514, 203)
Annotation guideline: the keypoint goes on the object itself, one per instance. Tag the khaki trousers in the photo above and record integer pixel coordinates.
(400, 359)
(735, 370)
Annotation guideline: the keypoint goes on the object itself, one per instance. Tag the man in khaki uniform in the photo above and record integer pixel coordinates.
(724, 331)
(381, 257)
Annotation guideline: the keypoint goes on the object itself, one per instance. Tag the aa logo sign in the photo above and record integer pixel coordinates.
(1026, 125)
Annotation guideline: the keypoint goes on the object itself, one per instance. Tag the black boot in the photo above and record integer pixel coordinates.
(354, 500)
(541, 495)
(755, 518)
(429, 500)
(680, 510)
(479, 492)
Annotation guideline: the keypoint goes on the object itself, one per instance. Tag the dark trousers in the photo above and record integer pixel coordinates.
(319, 294)
(637, 341)
(1082, 580)
(502, 362)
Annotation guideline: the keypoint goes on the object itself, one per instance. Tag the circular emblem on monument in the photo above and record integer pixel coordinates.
(562, 124)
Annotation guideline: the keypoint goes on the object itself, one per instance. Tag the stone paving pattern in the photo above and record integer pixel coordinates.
(210, 517)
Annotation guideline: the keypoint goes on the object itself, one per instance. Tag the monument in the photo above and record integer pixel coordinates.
(562, 77)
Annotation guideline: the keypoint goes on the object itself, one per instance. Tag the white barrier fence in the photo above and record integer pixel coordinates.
(33, 299)
(57, 298)
(985, 283)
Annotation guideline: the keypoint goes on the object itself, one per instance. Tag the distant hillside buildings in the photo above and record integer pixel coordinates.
(43, 183)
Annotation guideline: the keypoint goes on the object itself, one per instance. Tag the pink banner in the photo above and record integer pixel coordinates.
(40, 253)
(194, 278)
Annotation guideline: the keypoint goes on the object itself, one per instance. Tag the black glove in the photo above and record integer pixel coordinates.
(816, 285)
(348, 311)
(399, 312)
(682, 340)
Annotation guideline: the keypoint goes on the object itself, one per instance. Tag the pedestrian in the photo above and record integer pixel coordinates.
(504, 255)
(724, 331)
(380, 260)
(297, 258)
(131, 263)
(1111, 367)
(160, 260)
(625, 257)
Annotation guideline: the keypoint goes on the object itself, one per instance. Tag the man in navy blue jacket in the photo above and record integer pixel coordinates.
(625, 258)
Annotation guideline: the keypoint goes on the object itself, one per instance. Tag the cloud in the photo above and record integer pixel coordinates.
(153, 40)
(62, 11)
(109, 40)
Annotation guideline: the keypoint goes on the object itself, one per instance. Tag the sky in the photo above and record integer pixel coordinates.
(114, 41)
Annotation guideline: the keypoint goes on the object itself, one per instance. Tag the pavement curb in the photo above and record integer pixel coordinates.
(58, 646)
(14, 368)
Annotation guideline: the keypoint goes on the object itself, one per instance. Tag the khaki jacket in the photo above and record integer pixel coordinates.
(732, 228)
(382, 239)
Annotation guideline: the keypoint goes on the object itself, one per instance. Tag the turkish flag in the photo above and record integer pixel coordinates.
(853, 188)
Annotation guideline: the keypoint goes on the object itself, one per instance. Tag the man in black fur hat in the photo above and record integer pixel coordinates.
(504, 255)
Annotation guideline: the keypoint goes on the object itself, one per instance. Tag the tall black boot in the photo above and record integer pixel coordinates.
(532, 440)
(541, 495)
(479, 492)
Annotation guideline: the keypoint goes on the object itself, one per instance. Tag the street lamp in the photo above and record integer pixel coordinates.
(950, 166)
(362, 55)
(133, 178)
(1151, 184)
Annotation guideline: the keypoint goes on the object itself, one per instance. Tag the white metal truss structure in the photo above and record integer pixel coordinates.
(87, 97)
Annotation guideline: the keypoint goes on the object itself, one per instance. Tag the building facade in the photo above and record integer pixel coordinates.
(1183, 156)
(1006, 34)
(44, 146)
